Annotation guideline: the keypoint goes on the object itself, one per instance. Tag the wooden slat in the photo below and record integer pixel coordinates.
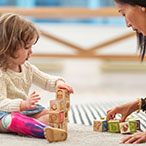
(61, 41)
(61, 13)
(103, 57)
(111, 42)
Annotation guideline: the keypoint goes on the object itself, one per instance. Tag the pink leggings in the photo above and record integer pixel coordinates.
(20, 123)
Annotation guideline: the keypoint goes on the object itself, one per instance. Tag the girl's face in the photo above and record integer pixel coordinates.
(23, 54)
(135, 16)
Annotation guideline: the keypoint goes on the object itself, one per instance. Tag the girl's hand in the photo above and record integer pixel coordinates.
(60, 84)
(29, 103)
(125, 110)
(136, 138)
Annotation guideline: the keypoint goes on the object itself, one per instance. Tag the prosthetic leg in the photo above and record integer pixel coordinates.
(22, 124)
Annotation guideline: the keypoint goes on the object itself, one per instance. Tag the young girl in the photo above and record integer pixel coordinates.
(134, 12)
(19, 112)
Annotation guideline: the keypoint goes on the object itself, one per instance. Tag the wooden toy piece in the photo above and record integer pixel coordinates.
(128, 127)
(56, 117)
(62, 94)
(57, 105)
(113, 126)
(100, 125)
(136, 120)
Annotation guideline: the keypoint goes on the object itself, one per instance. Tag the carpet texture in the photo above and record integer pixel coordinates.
(79, 135)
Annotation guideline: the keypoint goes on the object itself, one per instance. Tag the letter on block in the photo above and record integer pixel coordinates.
(57, 105)
(56, 117)
(113, 126)
(100, 125)
(128, 127)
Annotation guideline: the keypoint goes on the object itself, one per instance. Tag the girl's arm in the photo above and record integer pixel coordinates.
(48, 82)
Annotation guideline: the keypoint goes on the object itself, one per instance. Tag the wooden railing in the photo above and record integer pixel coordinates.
(74, 13)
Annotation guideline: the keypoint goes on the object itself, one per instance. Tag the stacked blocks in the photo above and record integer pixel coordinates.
(58, 112)
(114, 126)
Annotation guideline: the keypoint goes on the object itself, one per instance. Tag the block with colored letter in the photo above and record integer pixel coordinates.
(56, 117)
(136, 120)
(128, 127)
(100, 125)
(57, 105)
(113, 126)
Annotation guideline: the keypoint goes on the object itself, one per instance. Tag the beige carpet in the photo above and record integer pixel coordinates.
(78, 135)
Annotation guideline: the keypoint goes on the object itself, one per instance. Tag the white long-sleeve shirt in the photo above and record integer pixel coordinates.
(14, 86)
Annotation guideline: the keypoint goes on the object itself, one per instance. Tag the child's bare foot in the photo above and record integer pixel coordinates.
(55, 134)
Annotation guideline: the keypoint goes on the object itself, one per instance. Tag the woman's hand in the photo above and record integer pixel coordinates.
(29, 103)
(125, 110)
(60, 84)
(135, 138)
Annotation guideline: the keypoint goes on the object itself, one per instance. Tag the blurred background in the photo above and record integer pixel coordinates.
(87, 43)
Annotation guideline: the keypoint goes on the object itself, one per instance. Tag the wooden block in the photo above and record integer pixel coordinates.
(57, 105)
(100, 125)
(113, 126)
(136, 120)
(62, 94)
(56, 117)
(128, 127)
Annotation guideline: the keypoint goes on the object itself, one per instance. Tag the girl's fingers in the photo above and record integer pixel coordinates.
(66, 87)
(36, 95)
(32, 93)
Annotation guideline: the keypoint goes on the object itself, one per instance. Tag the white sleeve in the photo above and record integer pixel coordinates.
(6, 104)
(44, 80)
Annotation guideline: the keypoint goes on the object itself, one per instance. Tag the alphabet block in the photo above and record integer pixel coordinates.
(113, 126)
(100, 125)
(62, 94)
(136, 120)
(56, 117)
(128, 127)
(57, 105)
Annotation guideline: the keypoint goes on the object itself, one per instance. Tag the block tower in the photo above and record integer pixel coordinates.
(58, 111)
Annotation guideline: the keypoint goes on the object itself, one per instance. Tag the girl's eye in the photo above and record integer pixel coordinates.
(27, 48)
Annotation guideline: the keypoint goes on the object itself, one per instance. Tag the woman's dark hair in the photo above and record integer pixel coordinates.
(133, 2)
(141, 38)
(141, 44)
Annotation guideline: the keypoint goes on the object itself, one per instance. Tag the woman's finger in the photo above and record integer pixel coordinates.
(126, 139)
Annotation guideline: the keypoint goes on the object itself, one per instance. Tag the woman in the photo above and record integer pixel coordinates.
(134, 12)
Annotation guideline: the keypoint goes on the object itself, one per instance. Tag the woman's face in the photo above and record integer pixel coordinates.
(135, 16)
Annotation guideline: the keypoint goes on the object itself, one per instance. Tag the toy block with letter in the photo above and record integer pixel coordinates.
(113, 126)
(136, 120)
(57, 105)
(62, 94)
(100, 125)
(128, 127)
(56, 117)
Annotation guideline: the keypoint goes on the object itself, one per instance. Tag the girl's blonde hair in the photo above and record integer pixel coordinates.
(15, 32)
